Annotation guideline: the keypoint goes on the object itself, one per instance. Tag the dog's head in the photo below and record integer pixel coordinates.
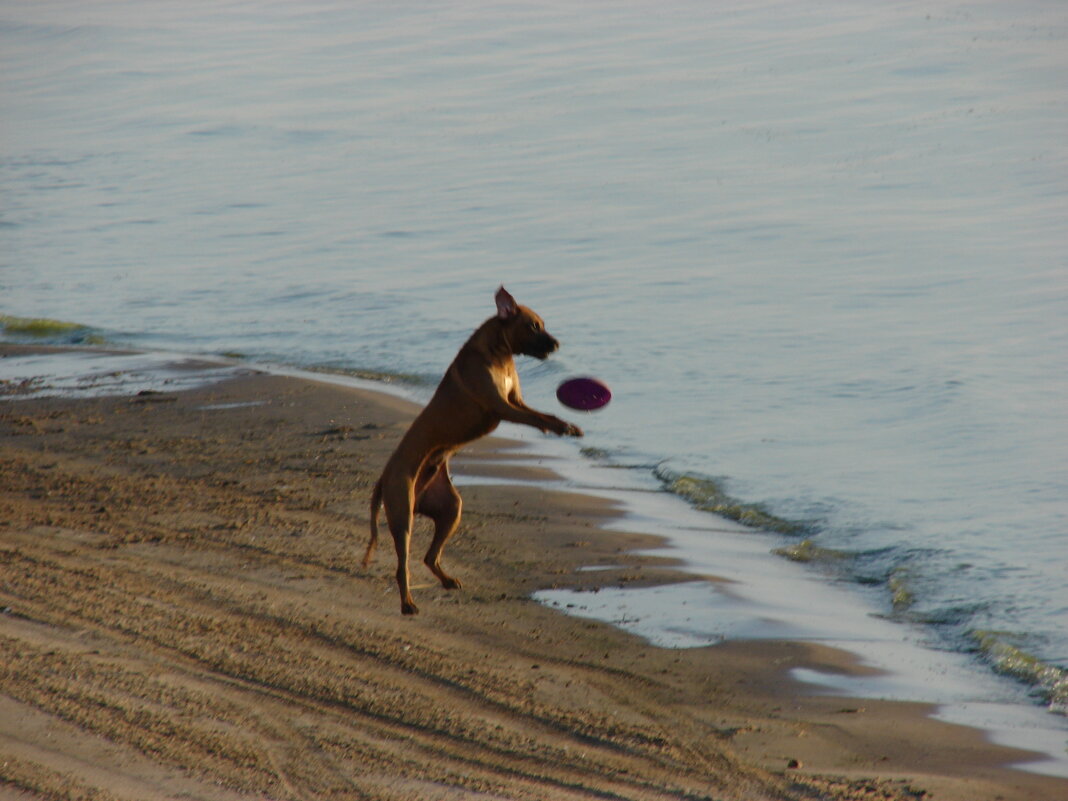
(523, 328)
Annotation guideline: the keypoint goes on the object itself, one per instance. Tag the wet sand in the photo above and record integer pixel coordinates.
(183, 615)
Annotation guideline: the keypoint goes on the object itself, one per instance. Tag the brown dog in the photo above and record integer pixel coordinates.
(479, 390)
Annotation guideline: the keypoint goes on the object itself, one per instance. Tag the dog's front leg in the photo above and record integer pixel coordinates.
(542, 421)
(499, 394)
(547, 422)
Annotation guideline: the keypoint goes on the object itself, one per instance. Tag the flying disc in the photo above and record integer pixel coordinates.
(584, 394)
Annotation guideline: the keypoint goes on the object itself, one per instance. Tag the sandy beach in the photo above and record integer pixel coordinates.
(183, 615)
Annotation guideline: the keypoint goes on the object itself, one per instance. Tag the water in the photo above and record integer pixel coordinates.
(817, 253)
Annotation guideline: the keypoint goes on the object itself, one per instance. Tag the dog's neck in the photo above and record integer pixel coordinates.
(492, 338)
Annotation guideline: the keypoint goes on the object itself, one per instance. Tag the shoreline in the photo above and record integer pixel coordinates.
(265, 563)
(733, 589)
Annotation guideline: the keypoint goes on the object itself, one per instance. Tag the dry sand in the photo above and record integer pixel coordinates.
(183, 615)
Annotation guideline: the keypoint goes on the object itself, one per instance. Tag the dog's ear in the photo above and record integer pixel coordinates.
(506, 305)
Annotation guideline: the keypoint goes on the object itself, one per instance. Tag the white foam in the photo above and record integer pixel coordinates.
(94, 374)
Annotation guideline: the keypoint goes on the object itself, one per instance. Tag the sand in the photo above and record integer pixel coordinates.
(183, 614)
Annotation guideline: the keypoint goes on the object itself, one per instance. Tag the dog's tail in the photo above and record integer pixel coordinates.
(376, 505)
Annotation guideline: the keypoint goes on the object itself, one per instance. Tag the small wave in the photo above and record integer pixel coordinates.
(1008, 658)
(42, 329)
(808, 552)
(596, 454)
(708, 495)
(902, 594)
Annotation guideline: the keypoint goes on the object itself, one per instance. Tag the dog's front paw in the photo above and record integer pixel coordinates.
(569, 430)
(561, 428)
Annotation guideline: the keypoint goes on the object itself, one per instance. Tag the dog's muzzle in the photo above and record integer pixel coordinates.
(541, 347)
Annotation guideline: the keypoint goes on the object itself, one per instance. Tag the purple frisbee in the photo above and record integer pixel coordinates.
(584, 394)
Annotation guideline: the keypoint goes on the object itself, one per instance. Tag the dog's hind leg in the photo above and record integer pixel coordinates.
(441, 503)
(372, 543)
(399, 514)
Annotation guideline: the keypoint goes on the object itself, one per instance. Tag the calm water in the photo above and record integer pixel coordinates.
(818, 253)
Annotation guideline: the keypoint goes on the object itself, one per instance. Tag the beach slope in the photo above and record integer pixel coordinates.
(183, 615)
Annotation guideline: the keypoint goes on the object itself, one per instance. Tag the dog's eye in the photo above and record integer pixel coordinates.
(535, 326)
